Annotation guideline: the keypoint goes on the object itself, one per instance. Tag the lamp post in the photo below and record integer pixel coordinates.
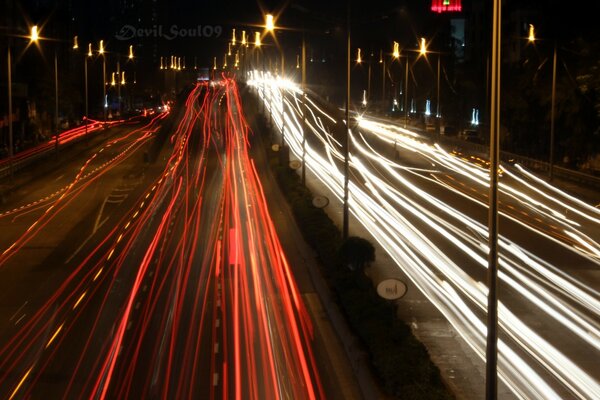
(346, 211)
(10, 114)
(406, 94)
(56, 101)
(33, 38)
(382, 62)
(531, 38)
(303, 109)
(491, 364)
(104, 99)
(437, 111)
(552, 115)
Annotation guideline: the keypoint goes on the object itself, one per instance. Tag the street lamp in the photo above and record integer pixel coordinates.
(34, 37)
(531, 36)
(358, 57)
(423, 47)
(131, 52)
(269, 23)
(104, 98)
(257, 42)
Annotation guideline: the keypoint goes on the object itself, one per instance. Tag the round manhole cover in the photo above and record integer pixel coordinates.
(320, 201)
(391, 289)
(295, 164)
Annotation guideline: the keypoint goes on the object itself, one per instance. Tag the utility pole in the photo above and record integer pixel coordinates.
(10, 114)
(552, 115)
(406, 94)
(56, 100)
(303, 109)
(491, 382)
(347, 146)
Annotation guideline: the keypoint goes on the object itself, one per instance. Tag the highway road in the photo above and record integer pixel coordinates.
(128, 279)
(427, 207)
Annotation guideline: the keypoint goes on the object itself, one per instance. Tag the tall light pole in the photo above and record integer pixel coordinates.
(369, 78)
(552, 115)
(85, 73)
(104, 99)
(10, 114)
(56, 101)
(304, 108)
(491, 385)
(406, 94)
(382, 62)
(346, 213)
(33, 38)
(437, 111)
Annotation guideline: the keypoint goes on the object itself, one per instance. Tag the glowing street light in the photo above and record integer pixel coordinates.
(244, 41)
(381, 56)
(297, 61)
(358, 57)
(131, 52)
(34, 37)
(112, 81)
(270, 24)
(225, 62)
(233, 37)
(89, 54)
(228, 49)
(531, 36)
(396, 52)
(423, 47)
(123, 78)
(162, 65)
(75, 44)
(214, 63)
(101, 49)
(257, 39)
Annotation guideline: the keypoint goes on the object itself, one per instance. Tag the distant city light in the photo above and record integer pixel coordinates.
(475, 117)
(428, 107)
(364, 99)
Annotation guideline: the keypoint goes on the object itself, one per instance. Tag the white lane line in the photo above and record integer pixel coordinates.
(19, 310)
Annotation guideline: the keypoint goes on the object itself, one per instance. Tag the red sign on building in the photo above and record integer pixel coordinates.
(440, 6)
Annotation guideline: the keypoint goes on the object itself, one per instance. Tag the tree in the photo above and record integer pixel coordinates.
(357, 253)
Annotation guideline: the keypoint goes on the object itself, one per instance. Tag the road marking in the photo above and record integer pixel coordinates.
(55, 335)
(20, 383)
(19, 320)
(19, 310)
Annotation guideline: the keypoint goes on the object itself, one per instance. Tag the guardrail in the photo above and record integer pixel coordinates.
(45, 149)
(531, 163)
